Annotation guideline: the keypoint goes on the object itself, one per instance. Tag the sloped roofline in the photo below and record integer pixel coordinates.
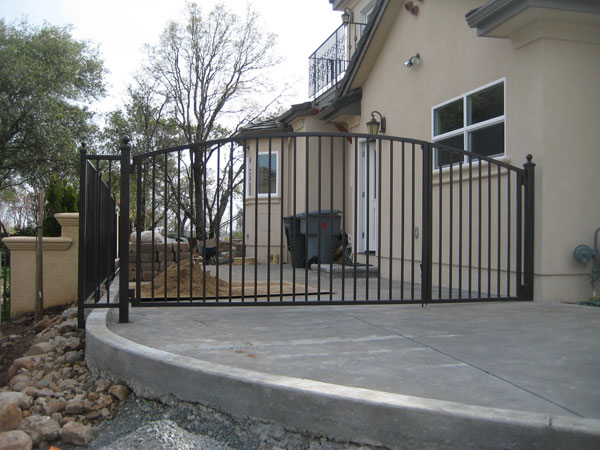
(361, 51)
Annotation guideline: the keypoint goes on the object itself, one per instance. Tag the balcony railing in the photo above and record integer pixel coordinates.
(328, 64)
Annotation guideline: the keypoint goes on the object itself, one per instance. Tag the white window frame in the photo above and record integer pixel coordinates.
(368, 149)
(467, 129)
(252, 168)
(248, 175)
(366, 11)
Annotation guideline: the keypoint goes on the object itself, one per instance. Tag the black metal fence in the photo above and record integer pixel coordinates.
(97, 230)
(326, 218)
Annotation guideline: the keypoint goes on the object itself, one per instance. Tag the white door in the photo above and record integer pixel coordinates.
(367, 201)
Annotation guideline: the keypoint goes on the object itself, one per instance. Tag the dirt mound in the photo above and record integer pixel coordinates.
(203, 284)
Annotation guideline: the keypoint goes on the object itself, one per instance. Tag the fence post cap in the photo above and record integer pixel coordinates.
(125, 143)
(529, 157)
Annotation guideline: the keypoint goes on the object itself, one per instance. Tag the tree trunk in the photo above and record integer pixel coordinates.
(198, 177)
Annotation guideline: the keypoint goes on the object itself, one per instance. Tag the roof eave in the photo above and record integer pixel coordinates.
(495, 13)
(348, 105)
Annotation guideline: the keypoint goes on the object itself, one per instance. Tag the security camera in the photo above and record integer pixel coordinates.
(412, 60)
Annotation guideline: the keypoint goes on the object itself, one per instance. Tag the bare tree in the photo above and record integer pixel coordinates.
(209, 69)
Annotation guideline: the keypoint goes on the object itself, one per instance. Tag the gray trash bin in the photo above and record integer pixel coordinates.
(295, 241)
(325, 223)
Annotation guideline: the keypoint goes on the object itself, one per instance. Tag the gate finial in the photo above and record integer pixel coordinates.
(529, 157)
(125, 143)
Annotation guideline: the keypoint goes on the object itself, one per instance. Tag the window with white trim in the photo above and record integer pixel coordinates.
(474, 121)
(366, 13)
(249, 190)
(267, 168)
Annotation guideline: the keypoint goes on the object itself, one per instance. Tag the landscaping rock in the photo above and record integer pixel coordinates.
(76, 433)
(119, 391)
(74, 406)
(67, 314)
(67, 326)
(51, 387)
(73, 343)
(15, 440)
(73, 357)
(36, 392)
(42, 325)
(23, 401)
(25, 362)
(10, 415)
(40, 428)
(51, 406)
(19, 382)
(40, 348)
(67, 384)
(59, 342)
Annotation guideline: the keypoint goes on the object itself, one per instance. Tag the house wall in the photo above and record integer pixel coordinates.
(568, 194)
(299, 181)
(552, 107)
(262, 214)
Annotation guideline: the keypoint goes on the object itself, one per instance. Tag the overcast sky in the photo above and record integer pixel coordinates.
(121, 27)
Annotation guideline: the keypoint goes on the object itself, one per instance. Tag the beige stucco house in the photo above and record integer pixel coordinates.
(504, 78)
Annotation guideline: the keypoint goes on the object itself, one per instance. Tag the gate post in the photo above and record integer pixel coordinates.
(124, 232)
(427, 248)
(82, 237)
(529, 215)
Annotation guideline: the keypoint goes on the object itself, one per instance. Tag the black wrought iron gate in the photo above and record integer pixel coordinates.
(324, 218)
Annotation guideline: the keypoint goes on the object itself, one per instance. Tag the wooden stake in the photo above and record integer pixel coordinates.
(39, 261)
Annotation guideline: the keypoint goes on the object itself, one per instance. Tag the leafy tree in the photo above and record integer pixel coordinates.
(145, 121)
(60, 197)
(17, 209)
(45, 76)
(208, 70)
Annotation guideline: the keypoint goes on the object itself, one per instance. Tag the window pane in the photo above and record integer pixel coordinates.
(485, 104)
(445, 157)
(488, 141)
(267, 178)
(448, 117)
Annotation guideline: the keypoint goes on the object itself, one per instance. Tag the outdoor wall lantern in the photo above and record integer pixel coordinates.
(413, 61)
(347, 16)
(373, 124)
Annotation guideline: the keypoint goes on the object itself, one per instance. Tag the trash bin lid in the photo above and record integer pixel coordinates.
(323, 213)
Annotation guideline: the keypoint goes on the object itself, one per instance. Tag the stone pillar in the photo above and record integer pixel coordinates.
(60, 267)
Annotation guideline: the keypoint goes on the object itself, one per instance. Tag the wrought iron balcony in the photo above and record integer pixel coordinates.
(328, 64)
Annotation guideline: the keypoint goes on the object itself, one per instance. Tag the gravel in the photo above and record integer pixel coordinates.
(142, 424)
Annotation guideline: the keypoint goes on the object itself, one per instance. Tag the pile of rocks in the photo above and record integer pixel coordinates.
(51, 394)
(154, 258)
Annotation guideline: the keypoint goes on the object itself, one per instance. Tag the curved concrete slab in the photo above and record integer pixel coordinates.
(357, 414)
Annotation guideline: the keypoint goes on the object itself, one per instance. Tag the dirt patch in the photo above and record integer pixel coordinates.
(16, 337)
(205, 285)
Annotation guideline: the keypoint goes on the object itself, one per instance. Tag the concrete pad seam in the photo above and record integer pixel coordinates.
(474, 366)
